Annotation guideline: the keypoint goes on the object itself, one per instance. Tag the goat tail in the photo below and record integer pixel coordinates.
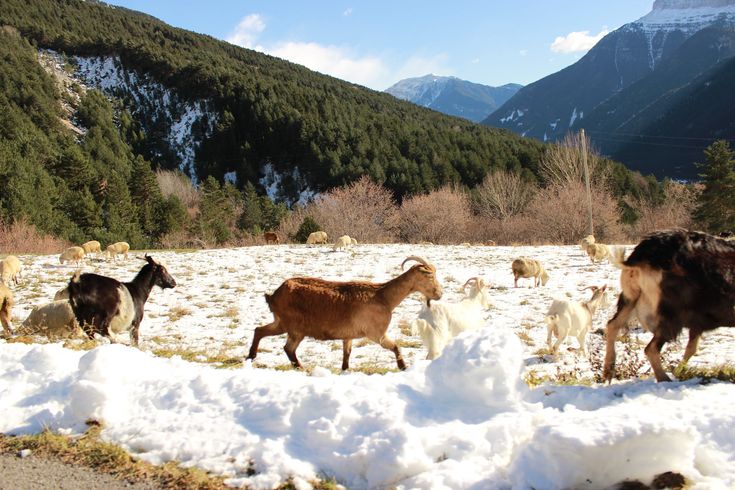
(617, 257)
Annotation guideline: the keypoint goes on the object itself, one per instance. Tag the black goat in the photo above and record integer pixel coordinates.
(104, 305)
(674, 279)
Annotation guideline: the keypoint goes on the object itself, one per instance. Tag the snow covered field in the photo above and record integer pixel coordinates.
(465, 420)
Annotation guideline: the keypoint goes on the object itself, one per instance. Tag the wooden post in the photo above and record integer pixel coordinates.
(587, 178)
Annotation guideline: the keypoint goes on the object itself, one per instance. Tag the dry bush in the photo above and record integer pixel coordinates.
(560, 214)
(677, 210)
(503, 194)
(511, 231)
(290, 224)
(442, 216)
(175, 182)
(363, 210)
(23, 237)
(562, 163)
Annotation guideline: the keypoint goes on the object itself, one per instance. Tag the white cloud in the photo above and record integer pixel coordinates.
(332, 60)
(247, 31)
(575, 42)
(347, 12)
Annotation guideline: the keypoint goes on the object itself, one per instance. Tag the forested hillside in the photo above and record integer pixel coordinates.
(277, 112)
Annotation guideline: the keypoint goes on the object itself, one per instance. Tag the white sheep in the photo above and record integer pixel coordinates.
(523, 267)
(439, 322)
(92, 246)
(354, 242)
(342, 242)
(72, 254)
(317, 237)
(118, 248)
(10, 269)
(595, 251)
(54, 320)
(573, 319)
(6, 307)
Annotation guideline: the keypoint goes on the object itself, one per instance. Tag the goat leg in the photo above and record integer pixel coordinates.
(346, 351)
(691, 347)
(618, 321)
(292, 343)
(653, 352)
(389, 344)
(273, 328)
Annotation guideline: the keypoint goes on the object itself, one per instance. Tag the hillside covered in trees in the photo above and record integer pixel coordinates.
(98, 180)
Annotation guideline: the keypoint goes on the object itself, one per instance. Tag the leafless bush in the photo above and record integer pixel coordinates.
(175, 182)
(562, 163)
(23, 237)
(511, 231)
(676, 210)
(442, 216)
(560, 214)
(503, 194)
(363, 210)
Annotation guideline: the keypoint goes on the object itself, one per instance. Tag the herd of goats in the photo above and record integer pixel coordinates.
(671, 280)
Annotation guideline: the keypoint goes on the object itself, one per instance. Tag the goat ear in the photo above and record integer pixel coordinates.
(149, 259)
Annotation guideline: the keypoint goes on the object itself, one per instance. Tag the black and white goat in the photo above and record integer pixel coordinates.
(674, 279)
(109, 307)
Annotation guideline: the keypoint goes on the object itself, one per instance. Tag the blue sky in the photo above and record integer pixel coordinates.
(376, 43)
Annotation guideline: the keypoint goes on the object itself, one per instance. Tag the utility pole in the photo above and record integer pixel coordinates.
(587, 177)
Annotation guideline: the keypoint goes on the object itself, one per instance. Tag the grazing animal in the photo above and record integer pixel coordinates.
(270, 237)
(54, 320)
(118, 248)
(673, 279)
(72, 254)
(525, 267)
(342, 242)
(317, 237)
(439, 322)
(92, 246)
(10, 269)
(108, 307)
(330, 310)
(62, 294)
(573, 319)
(6, 307)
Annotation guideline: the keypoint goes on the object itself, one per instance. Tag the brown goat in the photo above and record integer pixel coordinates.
(270, 237)
(673, 279)
(330, 310)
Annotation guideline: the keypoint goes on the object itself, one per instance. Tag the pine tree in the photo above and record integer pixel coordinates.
(716, 209)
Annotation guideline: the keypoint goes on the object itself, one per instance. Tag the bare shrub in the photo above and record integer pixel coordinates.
(442, 216)
(23, 237)
(562, 163)
(503, 194)
(510, 231)
(676, 210)
(177, 183)
(363, 210)
(560, 215)
(290, 224)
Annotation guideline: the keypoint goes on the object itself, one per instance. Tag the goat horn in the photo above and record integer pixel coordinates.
(471, 279)
(419, 260)
(593, 288)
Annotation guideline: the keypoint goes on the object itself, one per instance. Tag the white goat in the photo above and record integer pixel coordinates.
(6, 307)
(524, 267)
(439, 322)
(573, 318)
(342, 242)
(595, 251)
(10, 269)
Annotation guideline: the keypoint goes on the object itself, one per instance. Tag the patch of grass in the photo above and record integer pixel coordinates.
(409, 343)
(175, 313)
(372, 368)
(525, 338)
(723, 372)
(91, 452)
(80, 344)
(230, 312)
(405, 327)
(543, 351)
(21, 339)
(524, 302)
(221, 359)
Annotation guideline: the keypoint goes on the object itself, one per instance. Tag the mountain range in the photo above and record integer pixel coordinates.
(453, 96)
(650, 94)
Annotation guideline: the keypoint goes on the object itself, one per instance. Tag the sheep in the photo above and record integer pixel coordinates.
(586, 241)
(118, 248)
(524, 267)
(439, 322)
(330, 310)
(72, 254)
(92, 246)
(354, 242)
(54, 320)
(595, 251)
(573, 318)
(342, 242)
(10, 269)
(672, 279)
(270, 237)
(108, 307)
(6, 307)
(62, 294)
(317, 237)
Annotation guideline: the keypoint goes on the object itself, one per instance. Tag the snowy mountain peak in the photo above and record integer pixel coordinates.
(690, 4)
(688, 14)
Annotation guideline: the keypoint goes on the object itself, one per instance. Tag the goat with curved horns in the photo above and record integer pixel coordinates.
(330, 310)
(107, 306)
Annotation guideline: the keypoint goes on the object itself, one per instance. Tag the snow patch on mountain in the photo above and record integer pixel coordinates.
(187, 122)
(420, 90)
(273, 183)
